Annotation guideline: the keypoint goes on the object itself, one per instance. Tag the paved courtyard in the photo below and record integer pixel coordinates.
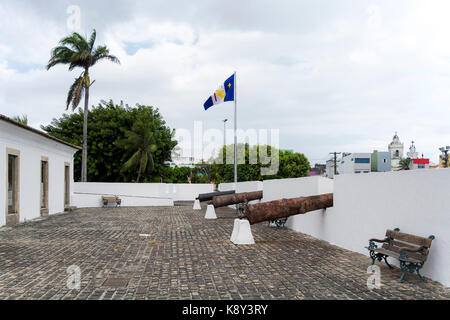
(183, 256)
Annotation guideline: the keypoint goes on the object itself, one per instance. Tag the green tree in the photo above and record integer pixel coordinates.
(78, 52)
(108, 124)
(291, 165)
(140, 141)
(405, 164)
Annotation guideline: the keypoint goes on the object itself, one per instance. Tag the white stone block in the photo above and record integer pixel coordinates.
(242, 233)
(210, 212)
(197, 205)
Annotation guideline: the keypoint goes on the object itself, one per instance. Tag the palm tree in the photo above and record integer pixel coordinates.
(76, 51)
(140, 140)
(405, 164)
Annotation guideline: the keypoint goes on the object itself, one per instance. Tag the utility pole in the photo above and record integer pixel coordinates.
(224, 132)
(335, 161)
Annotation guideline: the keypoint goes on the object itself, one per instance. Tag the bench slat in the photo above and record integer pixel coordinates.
(397, 255)
(410, 238)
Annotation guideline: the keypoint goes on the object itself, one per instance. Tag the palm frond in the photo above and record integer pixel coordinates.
(75, 93)
(102, 52)
(76, 41)
(132, 162)
(92, 40)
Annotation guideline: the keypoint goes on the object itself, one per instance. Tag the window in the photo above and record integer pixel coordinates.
(421, 166)
(44, 185)
(384, 160)
(362, 160)
(397, 153)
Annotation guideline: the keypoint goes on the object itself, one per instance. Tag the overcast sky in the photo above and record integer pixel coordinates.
(330, 75)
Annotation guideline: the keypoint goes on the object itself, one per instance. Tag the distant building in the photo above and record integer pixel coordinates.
(380, 161)
(420, 163)
(396, 150)
(355, 163)
(329, 169)
(318, 170)
(181, 162)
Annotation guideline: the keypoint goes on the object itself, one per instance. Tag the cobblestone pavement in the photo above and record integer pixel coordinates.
(184, 256)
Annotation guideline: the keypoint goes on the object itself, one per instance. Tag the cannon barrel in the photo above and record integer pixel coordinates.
(229, 199)
(208, 196)
(283, 208)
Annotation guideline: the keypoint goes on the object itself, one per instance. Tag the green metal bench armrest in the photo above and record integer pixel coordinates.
(377, 240)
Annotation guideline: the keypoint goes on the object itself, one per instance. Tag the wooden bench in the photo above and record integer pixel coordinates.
(111, 199)
(411, 250)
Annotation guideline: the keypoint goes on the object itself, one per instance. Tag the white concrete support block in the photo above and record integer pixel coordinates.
(242, 233)
(197, 205)
(235, 230)
(210, 212)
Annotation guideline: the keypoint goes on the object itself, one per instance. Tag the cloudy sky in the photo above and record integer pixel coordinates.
(330, 75)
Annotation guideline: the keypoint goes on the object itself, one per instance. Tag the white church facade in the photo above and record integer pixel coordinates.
(396, 149)
(36, 173)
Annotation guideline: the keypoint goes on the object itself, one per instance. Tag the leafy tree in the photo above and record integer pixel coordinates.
(291, 165)
(22, 119)
(405, 164)
(78, 52)
(140, 140)
(108, 123)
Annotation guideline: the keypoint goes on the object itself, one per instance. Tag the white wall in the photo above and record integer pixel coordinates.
(89, 194)
(247, 186)
(366, 205)
(32, 147)
(188, 192)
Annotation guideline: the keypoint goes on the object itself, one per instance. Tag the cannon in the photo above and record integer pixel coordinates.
(208, 196)
(236, 198)
(270, 211)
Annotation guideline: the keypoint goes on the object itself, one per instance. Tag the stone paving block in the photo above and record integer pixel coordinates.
(183, 256)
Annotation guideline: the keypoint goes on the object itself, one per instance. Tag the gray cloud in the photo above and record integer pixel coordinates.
(332, 76)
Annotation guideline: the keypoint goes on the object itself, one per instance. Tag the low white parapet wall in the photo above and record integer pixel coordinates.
(89, 194)
(247, 186)
(365, 205)
(187, 192)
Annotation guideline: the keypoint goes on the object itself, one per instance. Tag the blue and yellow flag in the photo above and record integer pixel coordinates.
(223, 94)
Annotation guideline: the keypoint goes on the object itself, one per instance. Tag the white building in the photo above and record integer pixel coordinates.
(396, 150)
(178, 161)
(36, 173)
(355, 163)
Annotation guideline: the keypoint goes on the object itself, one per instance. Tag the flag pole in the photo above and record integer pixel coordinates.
(235, 134)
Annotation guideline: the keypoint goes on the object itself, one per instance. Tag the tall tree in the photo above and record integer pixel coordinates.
(108, 123)
(140, 141)
(78, 52)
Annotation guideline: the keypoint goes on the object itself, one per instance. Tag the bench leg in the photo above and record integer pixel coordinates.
(420, 276)
(385, 260)
(402, 277)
